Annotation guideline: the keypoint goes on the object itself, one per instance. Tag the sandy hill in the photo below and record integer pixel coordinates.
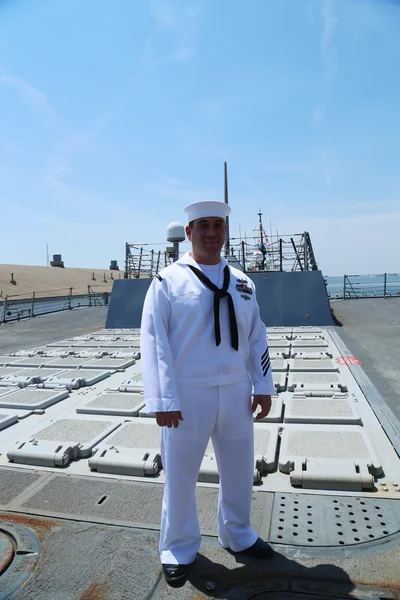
(53, 281)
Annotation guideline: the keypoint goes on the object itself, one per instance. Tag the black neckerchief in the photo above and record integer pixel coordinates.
(218, 294)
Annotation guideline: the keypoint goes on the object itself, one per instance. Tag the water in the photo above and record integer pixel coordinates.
(364, 286)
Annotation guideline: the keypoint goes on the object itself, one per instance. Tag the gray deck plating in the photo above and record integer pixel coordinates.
(74, 492)
(299, 392)
(371, 332)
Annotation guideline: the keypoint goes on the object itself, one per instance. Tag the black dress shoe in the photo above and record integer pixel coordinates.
(259, 549)
(175, 575)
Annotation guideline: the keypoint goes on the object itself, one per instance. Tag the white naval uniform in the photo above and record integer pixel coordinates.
(183, 369)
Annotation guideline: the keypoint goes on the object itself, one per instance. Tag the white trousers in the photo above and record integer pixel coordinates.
(224, 414)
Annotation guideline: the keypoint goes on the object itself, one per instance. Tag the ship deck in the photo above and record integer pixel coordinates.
(81, 481)
(371, 330)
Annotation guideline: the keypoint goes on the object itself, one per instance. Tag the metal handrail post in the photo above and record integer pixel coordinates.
(314, 265)
(126, 258)
(4, 309)
(140, 262)
(243, 258)
(354, 291)
(297, 255)
(158, 261)
(384, 284)
(305, 251)
(33, 304)
(344, 287)
(351, 287)
(281, 254)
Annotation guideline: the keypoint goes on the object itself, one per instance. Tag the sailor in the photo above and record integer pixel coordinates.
(204, 349)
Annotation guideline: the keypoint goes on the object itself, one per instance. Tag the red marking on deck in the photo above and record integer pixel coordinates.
(349, 360)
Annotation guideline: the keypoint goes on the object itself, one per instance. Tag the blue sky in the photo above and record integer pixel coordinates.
(115, 115)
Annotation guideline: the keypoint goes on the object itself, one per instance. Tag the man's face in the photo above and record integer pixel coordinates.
(207, 237)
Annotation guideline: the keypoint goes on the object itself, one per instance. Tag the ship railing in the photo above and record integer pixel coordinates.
(284, 253)
(141, 261)
(382, 285)
(22, 306)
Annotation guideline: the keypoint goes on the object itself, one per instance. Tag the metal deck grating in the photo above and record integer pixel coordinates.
(311, 380)
(118, 404)
(13, 482)
(79, 377)
(6, 390)
(309, 343)
(32, 399)
(32, 361)
(69, 362)
(136, 435)
(305, 520)
(75, 431)
(313, 364)
(6, 371)
(122, 502)
(332, 450)
(321, 410)
(279, 364)
(109, 363)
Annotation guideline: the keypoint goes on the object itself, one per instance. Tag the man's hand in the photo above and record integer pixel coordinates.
(264, 402)
(169, 419)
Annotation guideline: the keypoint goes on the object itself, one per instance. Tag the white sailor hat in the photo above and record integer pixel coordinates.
(207, 208)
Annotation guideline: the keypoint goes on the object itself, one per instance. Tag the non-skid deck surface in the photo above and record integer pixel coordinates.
(86, 442)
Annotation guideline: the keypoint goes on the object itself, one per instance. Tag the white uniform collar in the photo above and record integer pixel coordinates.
(186, 259)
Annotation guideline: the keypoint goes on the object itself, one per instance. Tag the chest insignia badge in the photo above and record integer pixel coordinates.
(242, 286)
(245, 297)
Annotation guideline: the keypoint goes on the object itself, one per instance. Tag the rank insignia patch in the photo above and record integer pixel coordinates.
(242, 286)
(265, 362)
